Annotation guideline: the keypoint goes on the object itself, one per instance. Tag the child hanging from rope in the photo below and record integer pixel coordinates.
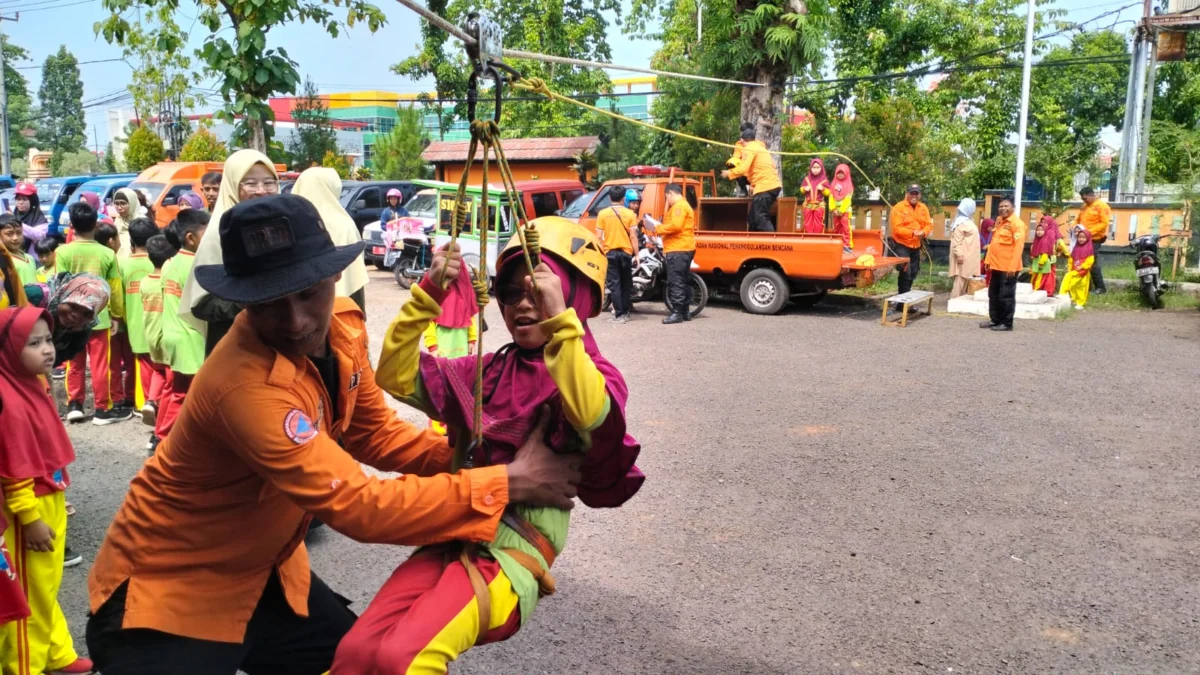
(446, 598)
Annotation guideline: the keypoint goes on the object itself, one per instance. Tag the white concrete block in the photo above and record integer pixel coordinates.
(966, 304)
(1044, 308)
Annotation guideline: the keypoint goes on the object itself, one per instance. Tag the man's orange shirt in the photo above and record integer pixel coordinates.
(1096, 218)
(224, 502)
(906, 220)
(614, 223)
(678, 230)
(1008, 243)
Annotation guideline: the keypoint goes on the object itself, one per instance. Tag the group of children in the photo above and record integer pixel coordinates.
(1077, 248)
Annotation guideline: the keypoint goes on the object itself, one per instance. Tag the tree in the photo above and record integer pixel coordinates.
(78, 163)
(21, 115)
(250, 73)
(203, 146)
(574, 28)
(585, 164)
(110, 160)
(145, 149)
(62, 125)
(397, 155)
(336, 162)
(314, 137)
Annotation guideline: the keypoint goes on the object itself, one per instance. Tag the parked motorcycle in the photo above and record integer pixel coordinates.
(650, 279)
(1145, 266)
(409, 249)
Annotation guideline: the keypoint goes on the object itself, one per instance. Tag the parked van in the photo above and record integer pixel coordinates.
(104, 188)
(53, 194)
(165, 182)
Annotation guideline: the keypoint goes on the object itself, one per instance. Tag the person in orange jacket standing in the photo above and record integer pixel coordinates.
(204, 568)
(756, 165)
(910, 224)
(679, 245)
(1096, 216)
(1004, 259)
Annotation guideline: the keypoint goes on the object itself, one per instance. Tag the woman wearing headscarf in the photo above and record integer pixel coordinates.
(841, 196)
(74, 302)
(28, 210)
(248, 174)
(964, 248)
(322, 186)
(814, 187)
(1043, 255)
(93, 200)
(191, 200)
(129, 208)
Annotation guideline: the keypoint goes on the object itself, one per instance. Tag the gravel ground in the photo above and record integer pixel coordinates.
(827, 495)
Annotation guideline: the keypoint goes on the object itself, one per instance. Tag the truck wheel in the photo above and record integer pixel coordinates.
(764, 291)
(699, 294)
(400, 268)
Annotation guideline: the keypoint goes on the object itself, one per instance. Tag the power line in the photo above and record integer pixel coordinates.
(79, 63)
(42, 9)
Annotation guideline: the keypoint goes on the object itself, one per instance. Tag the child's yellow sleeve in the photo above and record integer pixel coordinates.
(1087, 263)
(400, 361)
(431, 335)
(584, 390)
(19, 497)
(473, 330)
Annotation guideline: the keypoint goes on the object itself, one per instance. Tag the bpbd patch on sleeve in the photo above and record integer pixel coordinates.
(299, 427)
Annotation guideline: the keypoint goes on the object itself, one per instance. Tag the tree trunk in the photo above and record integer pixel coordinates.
(256, 138)
(763, 107)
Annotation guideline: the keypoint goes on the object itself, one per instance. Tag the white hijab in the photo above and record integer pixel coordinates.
(322, 186)
(966, 209)
(209, 251)
(135, 211)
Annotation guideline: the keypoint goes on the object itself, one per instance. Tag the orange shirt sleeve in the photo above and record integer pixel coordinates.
(323, 479)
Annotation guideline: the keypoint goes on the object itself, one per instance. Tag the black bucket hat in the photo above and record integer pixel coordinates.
(273, 247)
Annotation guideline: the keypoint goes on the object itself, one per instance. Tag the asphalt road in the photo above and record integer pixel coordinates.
(827, 495)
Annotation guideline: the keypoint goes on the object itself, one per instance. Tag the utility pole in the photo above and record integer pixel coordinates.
(1023, 127)
(1139, 182)
(5, 149)
(1129, 125)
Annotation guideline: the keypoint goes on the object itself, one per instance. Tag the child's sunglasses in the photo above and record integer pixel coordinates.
(512, 294)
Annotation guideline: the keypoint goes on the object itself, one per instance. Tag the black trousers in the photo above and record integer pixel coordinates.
(1098, 274)
(679, 281)
(760, 210)
(1002, 297)
(277, 641)
(909, 274)
(619, 282)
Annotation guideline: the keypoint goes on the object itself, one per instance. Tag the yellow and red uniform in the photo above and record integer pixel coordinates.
(260, 445)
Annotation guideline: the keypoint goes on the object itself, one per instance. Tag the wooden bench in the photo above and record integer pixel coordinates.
(906, 300)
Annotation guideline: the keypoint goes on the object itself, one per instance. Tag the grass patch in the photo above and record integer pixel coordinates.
(1124, 270)
(1126, 299)
(889, 285)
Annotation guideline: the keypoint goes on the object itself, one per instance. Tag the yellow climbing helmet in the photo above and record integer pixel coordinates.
(570, 243)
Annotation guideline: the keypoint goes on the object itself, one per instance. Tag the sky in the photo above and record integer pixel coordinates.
(355, 60)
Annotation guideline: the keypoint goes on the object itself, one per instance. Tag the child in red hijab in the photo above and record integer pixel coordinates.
(1079, 269)
(814, 188)
(1043, 255)
(34, 454)
(446, 598)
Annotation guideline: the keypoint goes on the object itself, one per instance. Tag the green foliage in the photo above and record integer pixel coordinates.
(314, 137)
(236, 48)
(145, 149)
(203, 146)
(397, 155)
(574, 28)
(61, 93)
(336, 162)
(585, 163)
(362, 173)
(21, 115)
(110, 160)
(78, 163)
(20, 167)
(622, 145)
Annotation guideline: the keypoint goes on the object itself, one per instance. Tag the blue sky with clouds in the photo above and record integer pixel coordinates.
(355, 60)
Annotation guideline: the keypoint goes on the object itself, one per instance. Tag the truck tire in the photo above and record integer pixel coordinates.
(764, 291)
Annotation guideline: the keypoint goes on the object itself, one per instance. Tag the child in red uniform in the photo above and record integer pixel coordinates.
(34, 454)
(446, 598)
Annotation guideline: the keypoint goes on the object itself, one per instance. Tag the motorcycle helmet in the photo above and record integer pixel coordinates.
(26, 189)
(631, 196)
(395, 193)
(568, 243)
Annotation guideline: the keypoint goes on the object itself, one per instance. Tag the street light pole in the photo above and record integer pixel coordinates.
(1023, 127)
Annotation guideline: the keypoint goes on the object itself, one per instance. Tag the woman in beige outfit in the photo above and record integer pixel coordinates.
(964, 248)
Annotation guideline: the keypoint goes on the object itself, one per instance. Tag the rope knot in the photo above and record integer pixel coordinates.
(481, 290)
(533, 242)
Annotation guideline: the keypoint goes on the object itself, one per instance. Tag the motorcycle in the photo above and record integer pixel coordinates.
(1145, 266)
(650, 279)
(412, 257)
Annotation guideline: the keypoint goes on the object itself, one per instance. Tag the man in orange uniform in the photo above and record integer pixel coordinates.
(617, 228)
(679, 245)
(910, 224)
(204, 568)
(1004, 259)
(1096, 216)
(757, 166)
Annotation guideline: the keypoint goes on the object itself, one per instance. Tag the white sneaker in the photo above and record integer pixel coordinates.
(1078, 306)
(75, 412)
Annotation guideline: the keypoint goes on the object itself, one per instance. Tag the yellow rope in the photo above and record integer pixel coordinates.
(538, 86)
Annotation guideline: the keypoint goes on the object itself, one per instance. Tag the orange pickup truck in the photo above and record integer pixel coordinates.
(766, 269)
